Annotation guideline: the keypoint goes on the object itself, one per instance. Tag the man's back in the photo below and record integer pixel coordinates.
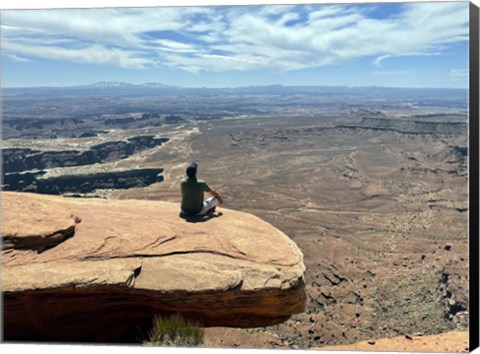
(192, 194)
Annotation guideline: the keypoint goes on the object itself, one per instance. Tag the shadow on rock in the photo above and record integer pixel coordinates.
(203, 218)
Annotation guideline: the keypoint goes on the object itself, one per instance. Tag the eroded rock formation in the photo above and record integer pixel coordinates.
(127, 260)
(19, 160)
(40, 182)
(410, 126)
(25, 170)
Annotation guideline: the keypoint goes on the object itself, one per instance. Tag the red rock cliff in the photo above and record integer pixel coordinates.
(102, 279)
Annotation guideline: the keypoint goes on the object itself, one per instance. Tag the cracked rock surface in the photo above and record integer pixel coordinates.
(126, 260)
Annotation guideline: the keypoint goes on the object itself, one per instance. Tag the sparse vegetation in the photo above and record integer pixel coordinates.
(174, 331)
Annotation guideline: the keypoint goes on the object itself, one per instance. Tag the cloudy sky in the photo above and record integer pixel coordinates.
(388, 44)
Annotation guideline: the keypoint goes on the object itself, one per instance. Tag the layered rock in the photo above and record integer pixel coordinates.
(409, 126)
(81, 182)
(127, 260)
(23, 159)
(57, 172)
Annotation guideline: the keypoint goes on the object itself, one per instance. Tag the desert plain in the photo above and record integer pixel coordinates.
(372, 189)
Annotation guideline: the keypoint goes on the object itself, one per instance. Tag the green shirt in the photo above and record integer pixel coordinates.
(192, 194)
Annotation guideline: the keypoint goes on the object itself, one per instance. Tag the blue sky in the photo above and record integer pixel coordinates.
(384, 44)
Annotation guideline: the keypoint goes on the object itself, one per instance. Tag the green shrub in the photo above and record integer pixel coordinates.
(174, 331)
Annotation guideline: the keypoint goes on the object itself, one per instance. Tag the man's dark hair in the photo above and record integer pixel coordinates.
(192, 170)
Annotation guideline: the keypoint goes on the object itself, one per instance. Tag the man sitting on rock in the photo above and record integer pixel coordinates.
(192, 195)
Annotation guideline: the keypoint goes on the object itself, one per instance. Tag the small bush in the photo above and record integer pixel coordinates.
(174, 331)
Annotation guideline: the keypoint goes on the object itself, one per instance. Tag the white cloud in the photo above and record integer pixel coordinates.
(92, 54)
(233, 38)
(326, 11)
(275, 10)
(18, 59)
(174, 46)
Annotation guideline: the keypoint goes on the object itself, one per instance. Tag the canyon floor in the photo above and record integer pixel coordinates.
(380, 216)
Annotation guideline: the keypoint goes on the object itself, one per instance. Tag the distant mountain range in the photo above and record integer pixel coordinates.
(332, 93)
(119, 84)
(260, 88)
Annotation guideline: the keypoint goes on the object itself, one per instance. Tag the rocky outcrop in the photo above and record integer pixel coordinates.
(27, 224)
(409, 126)
(127, 260)
(25, 170)
(18, 160)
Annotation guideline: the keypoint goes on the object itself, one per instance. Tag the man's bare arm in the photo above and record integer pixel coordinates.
(218, 196)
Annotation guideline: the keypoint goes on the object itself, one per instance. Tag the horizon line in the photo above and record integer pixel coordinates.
(166, 86)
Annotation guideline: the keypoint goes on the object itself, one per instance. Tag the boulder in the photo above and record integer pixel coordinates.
(125, 261)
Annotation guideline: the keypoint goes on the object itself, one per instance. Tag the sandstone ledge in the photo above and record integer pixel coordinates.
(129, 259)
(454, 342)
